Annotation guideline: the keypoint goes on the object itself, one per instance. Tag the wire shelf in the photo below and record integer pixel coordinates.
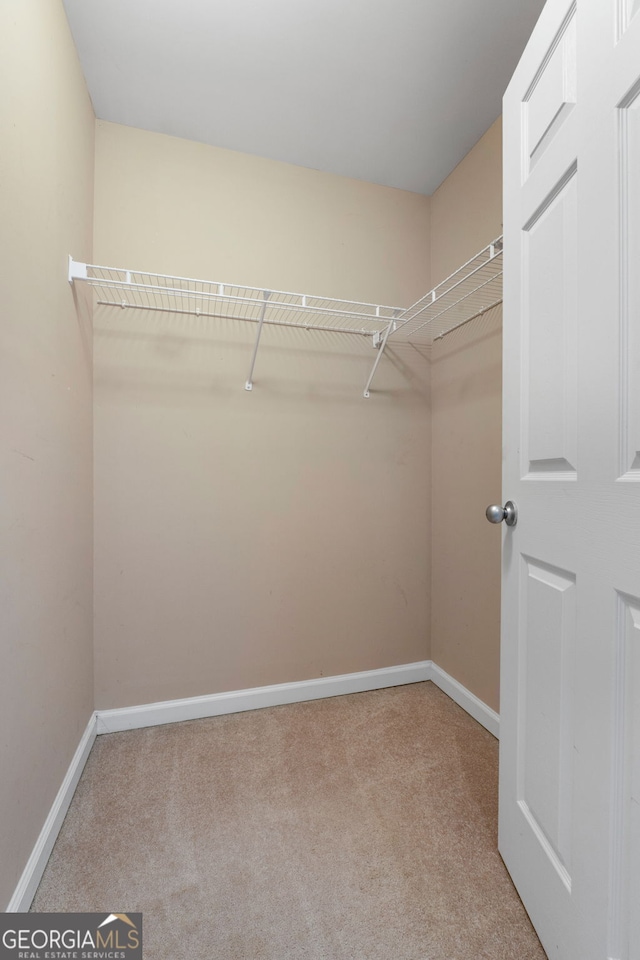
(472, 290)
(152, 291)
(468, 293)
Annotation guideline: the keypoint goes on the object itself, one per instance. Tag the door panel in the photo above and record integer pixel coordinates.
(552, 94)
(549, 312)
(629, 147)
(624, 933)
(629, 10)
(547, 674)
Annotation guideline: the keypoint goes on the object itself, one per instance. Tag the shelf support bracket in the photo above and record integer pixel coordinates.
(249, 384)
(77, 271)
(381, 344)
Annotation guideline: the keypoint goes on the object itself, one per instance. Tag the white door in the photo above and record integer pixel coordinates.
(570, 702)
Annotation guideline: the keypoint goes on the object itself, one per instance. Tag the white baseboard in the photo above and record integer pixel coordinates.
(475, 707)
(236, 701)
(32, 873)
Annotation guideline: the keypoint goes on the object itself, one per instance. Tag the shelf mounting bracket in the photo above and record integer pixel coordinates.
(379, 341)
(249, 384)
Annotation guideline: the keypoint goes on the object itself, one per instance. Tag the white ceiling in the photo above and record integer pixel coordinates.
(391, 91)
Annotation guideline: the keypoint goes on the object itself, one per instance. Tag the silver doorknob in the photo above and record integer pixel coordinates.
(508, 513)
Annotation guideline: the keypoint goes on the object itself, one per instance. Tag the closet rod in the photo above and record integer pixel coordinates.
(230, 316)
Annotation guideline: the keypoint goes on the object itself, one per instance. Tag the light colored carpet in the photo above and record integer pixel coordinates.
(360, 827)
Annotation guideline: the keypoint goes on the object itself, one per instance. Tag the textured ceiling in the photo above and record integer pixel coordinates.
(390, 91)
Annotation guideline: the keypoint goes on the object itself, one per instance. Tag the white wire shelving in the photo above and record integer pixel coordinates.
(133, 289)
(471, 291)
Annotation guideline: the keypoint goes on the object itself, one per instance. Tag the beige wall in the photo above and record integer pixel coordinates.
(254, 538)
(46, 683)
(466, 209)
(466, 436)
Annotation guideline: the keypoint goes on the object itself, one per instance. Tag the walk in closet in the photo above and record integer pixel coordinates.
(213, 485)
